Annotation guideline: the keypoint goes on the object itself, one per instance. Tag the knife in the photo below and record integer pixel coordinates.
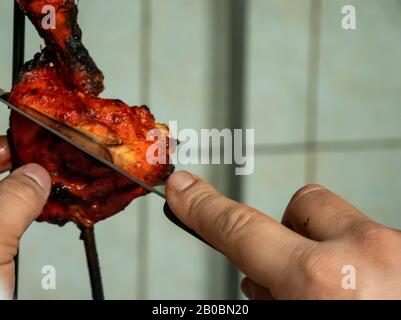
(93, 149)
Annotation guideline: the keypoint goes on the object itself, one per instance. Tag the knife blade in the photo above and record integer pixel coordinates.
(94, 149)
(76, 138)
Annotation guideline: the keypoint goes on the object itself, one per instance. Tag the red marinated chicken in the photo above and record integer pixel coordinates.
(83, 190)
(73, 64)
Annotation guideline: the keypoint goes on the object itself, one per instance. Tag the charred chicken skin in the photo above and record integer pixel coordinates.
(73, 63)
(83, 190)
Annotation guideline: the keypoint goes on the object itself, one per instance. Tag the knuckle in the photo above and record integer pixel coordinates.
(199, 197)
(235, 221)
(320, 271)
(313, 270)
(371, 235)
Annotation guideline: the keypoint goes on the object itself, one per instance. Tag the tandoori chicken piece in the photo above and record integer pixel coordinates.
(84, 190)
(73, 63)
(63, 84)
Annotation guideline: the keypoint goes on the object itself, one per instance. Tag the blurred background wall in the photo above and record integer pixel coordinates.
(325, 104)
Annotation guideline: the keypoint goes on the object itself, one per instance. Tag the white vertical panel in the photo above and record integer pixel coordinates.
(360, 72)
(179, 266)
(180, 62)
(274, 181)
(277, 70)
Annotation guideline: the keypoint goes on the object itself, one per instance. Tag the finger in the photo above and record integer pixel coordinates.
(259, 246)
(22, 196)
(5, 155)
(254, 291)
(319, 214)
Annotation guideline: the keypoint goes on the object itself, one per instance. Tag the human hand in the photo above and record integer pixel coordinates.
(22, 196)
(303, 257)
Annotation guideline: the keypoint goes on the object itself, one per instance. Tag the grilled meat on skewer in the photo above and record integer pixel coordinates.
(73, 63)
(83, 190)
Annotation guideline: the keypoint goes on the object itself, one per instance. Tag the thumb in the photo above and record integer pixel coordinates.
(22, 196)
(257, 244)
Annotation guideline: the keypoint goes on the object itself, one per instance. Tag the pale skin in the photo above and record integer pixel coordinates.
(22, 196)
(300, 258)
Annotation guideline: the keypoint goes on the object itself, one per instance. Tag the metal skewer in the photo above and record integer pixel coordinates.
(88, 236)
(18, 61)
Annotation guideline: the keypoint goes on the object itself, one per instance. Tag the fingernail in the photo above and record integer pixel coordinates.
(181, 180)
(39, 174)
(304, 191)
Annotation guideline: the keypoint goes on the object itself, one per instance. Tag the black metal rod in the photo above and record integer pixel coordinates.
(88, 236)
(18, 41)
(238, 35)
(18, 62)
